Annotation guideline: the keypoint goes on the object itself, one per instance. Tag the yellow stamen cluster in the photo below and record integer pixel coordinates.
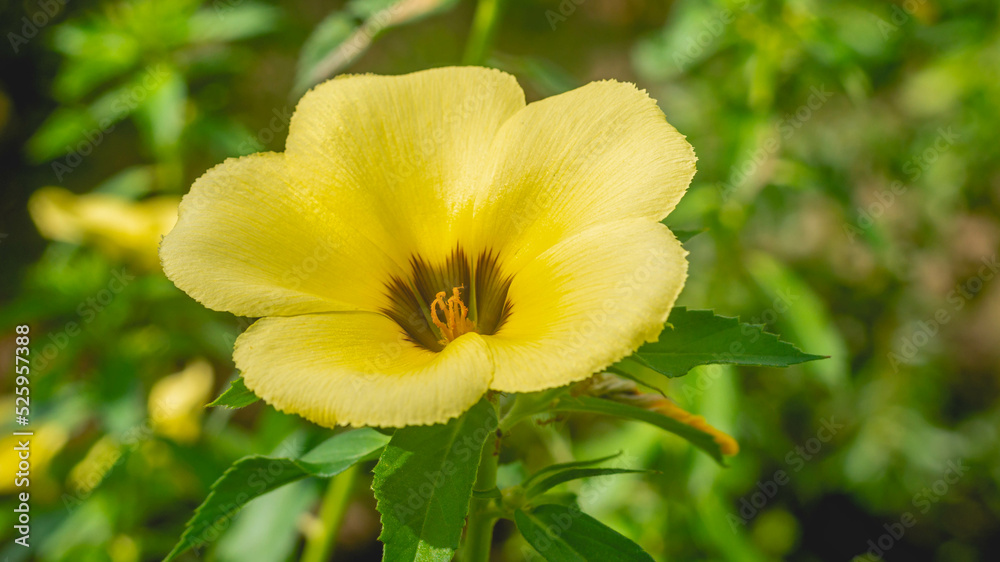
(456, 321)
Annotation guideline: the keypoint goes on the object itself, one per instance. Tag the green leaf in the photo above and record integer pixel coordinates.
(637, 371)
(257, 475)
(699, 337)
(268, 528)
(73, 130)
(808, 316)
(337, 42)
(566, 534)
(368, 8)
(544, 76)
(593, 405)
(493, 493)
(236, 396)
(564, 476)
(325, 38)
(566, 466)
(423, 484)
(59, 133)
(160, 117)
(685, 235)
(232, 22)
(95, 55)
(131, 183)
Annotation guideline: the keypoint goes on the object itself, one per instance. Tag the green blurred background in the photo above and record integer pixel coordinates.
(848, 182)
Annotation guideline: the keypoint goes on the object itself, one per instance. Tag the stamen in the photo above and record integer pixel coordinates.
(456, 321)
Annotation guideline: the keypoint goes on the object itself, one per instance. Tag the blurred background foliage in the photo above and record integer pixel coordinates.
(848, 184)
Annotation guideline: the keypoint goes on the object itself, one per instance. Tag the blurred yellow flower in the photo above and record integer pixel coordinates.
(46, 442)
(95, 465)
(177, 401)
(124, 548)
(428, 237)
(119, 227)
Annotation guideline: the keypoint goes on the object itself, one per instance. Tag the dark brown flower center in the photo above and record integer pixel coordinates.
(474, 299)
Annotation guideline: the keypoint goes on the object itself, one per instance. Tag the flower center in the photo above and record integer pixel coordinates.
(420, 305)
(456, 314)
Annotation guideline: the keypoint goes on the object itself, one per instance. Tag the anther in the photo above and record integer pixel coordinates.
(456, 321)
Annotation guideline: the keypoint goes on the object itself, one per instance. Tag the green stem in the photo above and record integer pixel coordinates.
(482, 514)
(527, 405)
(484, 27)
(319, 544)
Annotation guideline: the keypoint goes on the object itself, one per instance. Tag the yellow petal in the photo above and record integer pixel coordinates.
(359, 369)
(116, 226)
(47, 441)
(586, 303)
(598, 153)
(401, 156)
(251, 241)
(177, 401)
(99, 460)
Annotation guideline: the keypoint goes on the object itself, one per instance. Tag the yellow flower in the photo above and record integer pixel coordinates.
(176, 401)
(95, 465)
(116, 226)
(46, 442)
(428, 237)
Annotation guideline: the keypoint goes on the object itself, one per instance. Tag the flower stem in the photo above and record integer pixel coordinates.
(482, 514)
(527, 405)
(484, 27)
(319, 545)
